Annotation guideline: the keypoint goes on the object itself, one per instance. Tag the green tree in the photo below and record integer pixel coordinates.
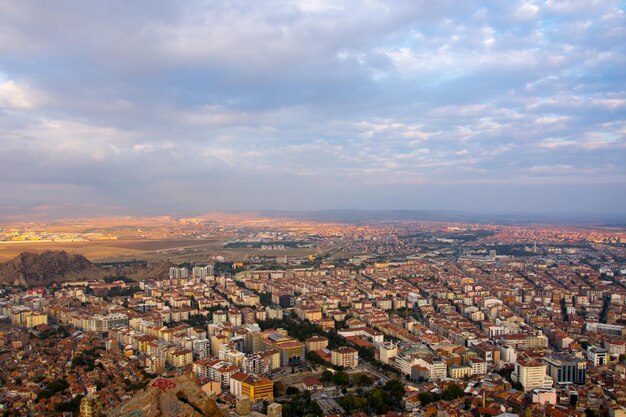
(341, 378)
(395, 388)
(426, 398)
(362, 380)
(451, 392)
(313, 357)
(327, 376)
(380, 400)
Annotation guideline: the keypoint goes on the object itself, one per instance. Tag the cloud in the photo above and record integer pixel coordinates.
(311, 104)
(17, 96)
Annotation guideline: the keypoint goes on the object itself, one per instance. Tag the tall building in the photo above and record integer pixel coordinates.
(566, 369)
(531, 375)
(508, 354)
(202, 271)
(291, 350)
(90, 406)
(386, 351)
(176, 273)
(257, 388)
(316, 343)
(597, 355)
(429, 368)
(346, 357)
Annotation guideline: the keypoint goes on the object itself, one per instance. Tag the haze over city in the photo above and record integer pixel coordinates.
(143, 108)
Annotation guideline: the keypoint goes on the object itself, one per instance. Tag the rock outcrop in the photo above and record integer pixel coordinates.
(31, 269)
(40, 269)
(163, 397)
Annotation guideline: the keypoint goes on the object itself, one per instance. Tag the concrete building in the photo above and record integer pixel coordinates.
(429, 368)
(597, 355)
(177, 273)
(386, 351)
(531, 375)
(90, 406)
(508, 354)
(345, 357)
(459, 371)
(316, 343)
(566, 369)
(202, 271)
(479, 366)
(257, 388)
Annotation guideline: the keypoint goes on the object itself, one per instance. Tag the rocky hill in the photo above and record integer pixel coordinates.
(37, 269)
(179, 396)
(40, 269)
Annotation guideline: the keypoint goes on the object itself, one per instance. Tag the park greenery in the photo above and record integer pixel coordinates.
(300, 404)
(379, 400)
(451, 392)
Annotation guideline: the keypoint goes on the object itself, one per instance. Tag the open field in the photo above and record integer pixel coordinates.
(107, 250)
(175, 250)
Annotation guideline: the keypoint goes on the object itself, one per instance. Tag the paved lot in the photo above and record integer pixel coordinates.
(330, 406)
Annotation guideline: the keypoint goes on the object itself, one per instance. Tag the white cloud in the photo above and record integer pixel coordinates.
(16, 96)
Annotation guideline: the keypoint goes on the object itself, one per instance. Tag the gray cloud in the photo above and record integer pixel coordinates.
(193, 106)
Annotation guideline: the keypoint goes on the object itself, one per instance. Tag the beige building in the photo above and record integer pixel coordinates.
(460, 371)
(531, 375)
(346, 357)
(387, 351)
(179, 358)
(35, 319)
(316, 343)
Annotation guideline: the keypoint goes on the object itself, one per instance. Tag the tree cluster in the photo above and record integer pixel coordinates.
(300, 404)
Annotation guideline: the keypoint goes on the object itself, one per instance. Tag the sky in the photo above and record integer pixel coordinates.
(155, 107)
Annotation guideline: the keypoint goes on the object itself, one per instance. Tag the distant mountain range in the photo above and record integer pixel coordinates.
(41, 269)
(364, 216)
(10, 215)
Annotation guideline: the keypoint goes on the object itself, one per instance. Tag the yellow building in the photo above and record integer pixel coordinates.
(179, 358)
(257, 388)
(309, 313)
(90, 406)
(142, 343)
(460, 371)
(35, 319)
(291, 350)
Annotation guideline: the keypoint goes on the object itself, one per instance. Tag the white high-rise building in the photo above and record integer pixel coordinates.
(508, 354)
(176, 273)
(202, 271)
(531, 375)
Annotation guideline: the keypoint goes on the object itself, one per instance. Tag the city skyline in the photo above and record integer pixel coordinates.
(160, 107)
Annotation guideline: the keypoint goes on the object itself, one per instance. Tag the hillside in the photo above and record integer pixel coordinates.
(40, 269)
(37, 269)
(179, 396)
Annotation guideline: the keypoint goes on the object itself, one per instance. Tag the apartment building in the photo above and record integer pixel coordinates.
(345, 357)
(531, 375)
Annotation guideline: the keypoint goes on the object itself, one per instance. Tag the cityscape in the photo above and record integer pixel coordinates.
(388, 318)
(313, 208)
